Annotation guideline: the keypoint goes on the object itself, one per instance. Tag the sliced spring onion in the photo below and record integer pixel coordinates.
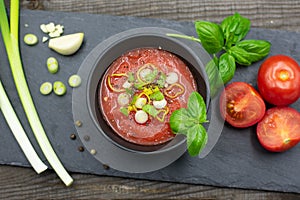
(150, 110)
(19, 133)
(172, 78)
(160, 104)
(46, 88)
(140, 102)
(59, 88)
(51, 60)
(74, 80)
(11, 40)
(30, 39)
(123, 99)
(52, 65)
(141, 117)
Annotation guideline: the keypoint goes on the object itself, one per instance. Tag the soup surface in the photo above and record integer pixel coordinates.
(140, 90)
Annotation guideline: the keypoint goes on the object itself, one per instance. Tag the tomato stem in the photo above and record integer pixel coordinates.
(284, 75)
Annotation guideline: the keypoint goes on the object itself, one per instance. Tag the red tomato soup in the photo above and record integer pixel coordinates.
(139, 92)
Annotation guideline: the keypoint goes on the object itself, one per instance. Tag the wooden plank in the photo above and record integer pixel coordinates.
(23, 183)
(14, 184)
(262, 13)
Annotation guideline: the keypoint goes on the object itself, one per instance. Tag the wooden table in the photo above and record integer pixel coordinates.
(23, 183)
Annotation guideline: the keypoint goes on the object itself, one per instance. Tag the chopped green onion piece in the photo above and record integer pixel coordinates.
(59, 88)
(19, 133)
(53, 68)
(46, 88)
(30, 39)
(150, 110)
(157, 96)
(51, 60)
(52, 65)
(10, 37)
(124, 111)
(74, 80)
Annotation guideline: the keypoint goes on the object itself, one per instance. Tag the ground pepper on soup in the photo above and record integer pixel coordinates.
(140, 90)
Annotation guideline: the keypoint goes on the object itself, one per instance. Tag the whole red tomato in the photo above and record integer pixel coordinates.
(278, 80)
(279, 130)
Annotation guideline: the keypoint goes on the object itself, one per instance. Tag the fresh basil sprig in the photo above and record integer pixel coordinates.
(225, 42)
(188, 121)
(235, 50)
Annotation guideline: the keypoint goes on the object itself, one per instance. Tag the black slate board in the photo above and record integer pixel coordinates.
(237, 159)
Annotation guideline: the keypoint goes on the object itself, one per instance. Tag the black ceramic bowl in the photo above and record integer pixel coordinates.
(104, 143)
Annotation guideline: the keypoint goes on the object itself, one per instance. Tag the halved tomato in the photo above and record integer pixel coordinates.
(279, 130)
(241, 105)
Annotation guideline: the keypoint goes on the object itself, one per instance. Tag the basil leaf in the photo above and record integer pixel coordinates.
(124, 111)
(161, 80)
(211, 36)
(214, 77)
(235, 28)
(248, 51)
(196, 139)
(227, 67)
(157, 96)
(196, 107)
(151, 110)
(180, 121)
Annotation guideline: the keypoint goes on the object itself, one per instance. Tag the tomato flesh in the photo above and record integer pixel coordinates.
(279, 130)
(241, 105)
(278, 80)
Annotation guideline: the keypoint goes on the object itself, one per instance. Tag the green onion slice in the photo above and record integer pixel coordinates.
(59, 88)
(74, 80)
(52, 65)
(30, 39)
(46, 88)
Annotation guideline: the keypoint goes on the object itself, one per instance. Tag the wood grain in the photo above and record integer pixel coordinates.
(262, 13)
(23, 183)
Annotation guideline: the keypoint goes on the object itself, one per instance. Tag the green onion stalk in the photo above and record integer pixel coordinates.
(19, 133)
(11, 40)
